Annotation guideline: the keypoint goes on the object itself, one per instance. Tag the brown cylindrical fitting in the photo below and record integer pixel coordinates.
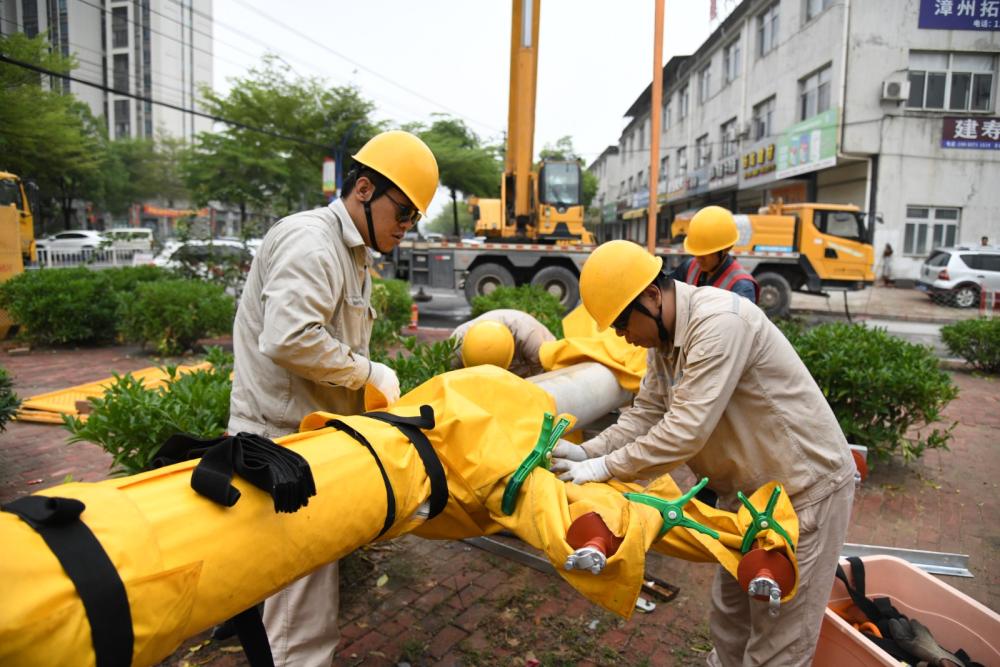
(590, 531)
(771, 564)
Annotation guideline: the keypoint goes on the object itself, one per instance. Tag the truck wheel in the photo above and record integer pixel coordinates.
(775, 294)
(485, 278)
(561, 283)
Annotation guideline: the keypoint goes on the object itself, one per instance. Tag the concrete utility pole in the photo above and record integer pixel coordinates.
(655, 102)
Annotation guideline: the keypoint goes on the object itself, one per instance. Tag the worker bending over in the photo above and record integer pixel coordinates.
(504, 337)
(726, 394)
(301, 341)
(711, 236)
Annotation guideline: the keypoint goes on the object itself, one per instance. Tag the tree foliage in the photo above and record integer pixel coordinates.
(465, 163)
(46, 136)
(248, 169)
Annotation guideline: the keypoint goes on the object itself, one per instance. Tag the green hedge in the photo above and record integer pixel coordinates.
(77, 305)
(130, 422)
(976, 341)
(9, 402)
(391, 301)
(533, 300)
(885, 392)
(172, 315)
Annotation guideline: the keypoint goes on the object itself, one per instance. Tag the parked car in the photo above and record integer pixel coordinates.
(73, 240)
(131, 238)
(956, 276)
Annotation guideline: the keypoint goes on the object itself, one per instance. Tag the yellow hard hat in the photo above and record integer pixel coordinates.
(613, 276)
(488, 342)
(712, 229)
(405, 160)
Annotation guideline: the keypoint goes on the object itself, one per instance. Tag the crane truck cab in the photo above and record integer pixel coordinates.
(14, 192)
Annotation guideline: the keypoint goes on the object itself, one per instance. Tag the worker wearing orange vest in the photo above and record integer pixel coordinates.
(711, 236)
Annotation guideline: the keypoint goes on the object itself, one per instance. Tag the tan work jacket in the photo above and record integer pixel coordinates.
(730, 397)
(529, 334)
(303, 324)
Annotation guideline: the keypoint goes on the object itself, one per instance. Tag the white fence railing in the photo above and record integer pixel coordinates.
(97, 258)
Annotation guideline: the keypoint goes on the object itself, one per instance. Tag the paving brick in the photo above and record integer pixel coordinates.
(445, 639)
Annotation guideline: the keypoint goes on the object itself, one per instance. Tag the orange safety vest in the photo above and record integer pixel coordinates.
(726, 279)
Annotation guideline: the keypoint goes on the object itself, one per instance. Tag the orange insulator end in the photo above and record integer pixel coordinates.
(590, 531)
(860, 464)
(763, 563)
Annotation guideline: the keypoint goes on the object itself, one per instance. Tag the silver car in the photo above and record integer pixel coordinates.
(957, 276)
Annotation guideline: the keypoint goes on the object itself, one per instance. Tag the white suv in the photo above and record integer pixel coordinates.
(956, 276)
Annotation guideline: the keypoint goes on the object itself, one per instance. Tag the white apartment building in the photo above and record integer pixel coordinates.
(155, 49)
(891, 106)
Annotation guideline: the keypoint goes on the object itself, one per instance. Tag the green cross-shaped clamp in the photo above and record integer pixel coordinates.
(672, 511)
(539, 456)
(763, 521)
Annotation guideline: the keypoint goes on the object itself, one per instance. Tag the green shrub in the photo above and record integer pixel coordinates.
(172, 315)
(976, 341)
(420, 361)
(9, 402)
(126, 278)
(885, 392)
(533, 300)
(130, 422)
(62, 305)
(391, 300)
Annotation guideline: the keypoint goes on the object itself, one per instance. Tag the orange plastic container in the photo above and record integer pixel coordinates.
(956, 620)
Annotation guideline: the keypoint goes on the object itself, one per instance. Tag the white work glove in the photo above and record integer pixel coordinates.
(384, 379)
(564, 454)
(588, 470)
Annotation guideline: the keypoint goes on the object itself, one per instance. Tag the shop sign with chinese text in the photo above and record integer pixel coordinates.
(960, 14)
(971, 132)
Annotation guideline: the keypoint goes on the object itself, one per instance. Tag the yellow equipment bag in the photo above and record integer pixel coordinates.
(187, 563)
(582, 342)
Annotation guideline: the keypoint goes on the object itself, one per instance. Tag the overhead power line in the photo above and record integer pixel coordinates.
(219, 119)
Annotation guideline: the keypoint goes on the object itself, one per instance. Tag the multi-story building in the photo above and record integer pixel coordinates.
(154, 49)
(891, 106)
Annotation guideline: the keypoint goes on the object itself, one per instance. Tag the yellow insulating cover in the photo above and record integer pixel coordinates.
(188, 563)
(63, 401)
(583, 342)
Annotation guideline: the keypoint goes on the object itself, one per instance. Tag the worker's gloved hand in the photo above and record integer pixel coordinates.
(564, 454)
(588, 470)
(916, 639)
(384, 379)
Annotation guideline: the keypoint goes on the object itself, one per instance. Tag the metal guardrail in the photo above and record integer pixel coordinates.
(52, 258)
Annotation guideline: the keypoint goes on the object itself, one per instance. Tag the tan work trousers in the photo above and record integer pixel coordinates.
(742, 630)
(301, 620)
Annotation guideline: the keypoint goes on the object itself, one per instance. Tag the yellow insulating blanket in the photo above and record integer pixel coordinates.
(48, 408)
(188, 563)
(583, 343)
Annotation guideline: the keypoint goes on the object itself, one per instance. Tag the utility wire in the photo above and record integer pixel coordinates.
(219, 119)
(359, 65)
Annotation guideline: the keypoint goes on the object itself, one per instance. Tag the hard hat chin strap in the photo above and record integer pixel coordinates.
(661, 330)
(371, 227)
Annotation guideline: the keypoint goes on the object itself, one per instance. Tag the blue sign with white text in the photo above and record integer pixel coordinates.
(960, 14)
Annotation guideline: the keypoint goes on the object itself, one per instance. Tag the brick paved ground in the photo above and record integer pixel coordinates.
(448, 603)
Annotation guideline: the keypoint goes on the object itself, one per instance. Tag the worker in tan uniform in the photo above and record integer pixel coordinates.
(301, 341)
(726, 394)
(504, 337)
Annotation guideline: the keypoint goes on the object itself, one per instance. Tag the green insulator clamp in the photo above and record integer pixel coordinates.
(763, 521)
(538, 457)
(672, 511)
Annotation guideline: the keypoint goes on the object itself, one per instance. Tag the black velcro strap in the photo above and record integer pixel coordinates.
(87, 565)
(411, 428)
(253, 637)
(277, 470)
(390, 497)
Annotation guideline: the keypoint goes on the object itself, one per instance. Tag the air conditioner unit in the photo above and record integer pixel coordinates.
(745, 129)
(895, 91)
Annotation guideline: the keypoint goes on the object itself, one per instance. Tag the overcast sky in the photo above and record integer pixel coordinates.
(417, 57)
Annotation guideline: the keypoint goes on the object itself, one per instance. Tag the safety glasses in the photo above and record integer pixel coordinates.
(404, 212)
(621, 322)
